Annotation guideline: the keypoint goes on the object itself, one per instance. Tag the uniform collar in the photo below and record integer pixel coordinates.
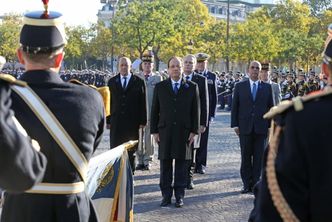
(41, 76)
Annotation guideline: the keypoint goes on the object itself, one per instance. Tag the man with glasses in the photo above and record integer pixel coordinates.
(251, 100)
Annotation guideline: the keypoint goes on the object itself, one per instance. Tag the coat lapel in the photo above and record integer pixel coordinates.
(131, 82)
(170, 87)
(118, 83)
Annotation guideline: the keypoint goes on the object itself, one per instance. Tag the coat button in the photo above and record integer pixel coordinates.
(174, 123)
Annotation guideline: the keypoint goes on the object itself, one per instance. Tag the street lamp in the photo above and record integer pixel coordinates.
(190, 45)
(227, 37)
(113, 3)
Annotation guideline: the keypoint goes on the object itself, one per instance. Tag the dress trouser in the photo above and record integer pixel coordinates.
(201, 154)
(252, 149)
(166, 178)
(145, 149)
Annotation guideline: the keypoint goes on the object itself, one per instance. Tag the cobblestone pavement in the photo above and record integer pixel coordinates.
(216, 196)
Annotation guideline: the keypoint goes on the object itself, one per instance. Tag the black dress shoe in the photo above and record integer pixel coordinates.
(246, 190)
(179, 203)
(201, 171)
(190, 186)
(146, 167)
(140, 167)
(165, 202)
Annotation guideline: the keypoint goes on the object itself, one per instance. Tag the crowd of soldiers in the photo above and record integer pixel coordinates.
(291, 84)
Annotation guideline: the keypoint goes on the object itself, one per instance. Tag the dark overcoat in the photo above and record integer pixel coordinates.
(174, 117)
(128, 109)
(201, 82)
(212, 88)
(21, 166)
(80, 111)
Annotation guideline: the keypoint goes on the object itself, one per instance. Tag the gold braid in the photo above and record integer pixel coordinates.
(278, 198)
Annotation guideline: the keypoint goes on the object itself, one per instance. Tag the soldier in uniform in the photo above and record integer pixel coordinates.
(313, 85)
(21, 164)
(201, 68)
(146, 146)
(288, 88)
(265, 77)
(190, 75)
(301, 85)
(296, 183)
(61, 195)
(128, 107)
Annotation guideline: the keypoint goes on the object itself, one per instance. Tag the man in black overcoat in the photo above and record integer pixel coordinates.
(252, 98)
(174, 123)
(128, 107)
(190, 75)
(80, 111)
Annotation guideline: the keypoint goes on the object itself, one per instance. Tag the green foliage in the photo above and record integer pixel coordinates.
(9, 36)
(77, 49)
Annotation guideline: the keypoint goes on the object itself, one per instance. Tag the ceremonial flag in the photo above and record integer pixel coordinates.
(110, 184)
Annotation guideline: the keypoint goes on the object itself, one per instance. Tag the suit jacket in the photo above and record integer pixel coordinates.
(174, 117)
(246, 113)
(201, 82)
(21, 166)
(80, 111)
(128, 109)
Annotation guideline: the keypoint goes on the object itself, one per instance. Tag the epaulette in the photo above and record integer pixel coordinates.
(297, 103)
(75, 81)
(11, 79)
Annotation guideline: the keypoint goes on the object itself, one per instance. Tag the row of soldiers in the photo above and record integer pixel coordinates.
(291, 84)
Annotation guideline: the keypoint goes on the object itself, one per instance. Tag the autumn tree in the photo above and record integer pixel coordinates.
(9, 36)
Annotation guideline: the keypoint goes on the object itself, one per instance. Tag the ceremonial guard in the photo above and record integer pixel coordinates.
(313, 85)
(201, 81)
(66, 119)
(301, 85)
(265, 77)
(128, 107)
(296, 181)
(288, 88)
(21, 163)
(147, 144)
(201, 68)
(174, 123)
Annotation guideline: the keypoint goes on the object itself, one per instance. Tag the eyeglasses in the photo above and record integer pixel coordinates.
(255, 67)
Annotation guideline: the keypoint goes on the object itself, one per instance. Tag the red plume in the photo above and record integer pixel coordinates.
(45, 2)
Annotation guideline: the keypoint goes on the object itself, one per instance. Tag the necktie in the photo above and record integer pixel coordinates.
(124, 82)
(187, 78)
(146, 77)
(176, 89)
(254, 91)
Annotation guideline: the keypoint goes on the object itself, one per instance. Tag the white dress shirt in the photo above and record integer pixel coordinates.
(128, 78)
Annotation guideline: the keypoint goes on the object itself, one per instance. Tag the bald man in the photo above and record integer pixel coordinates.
(252, 98)
(128, 107)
